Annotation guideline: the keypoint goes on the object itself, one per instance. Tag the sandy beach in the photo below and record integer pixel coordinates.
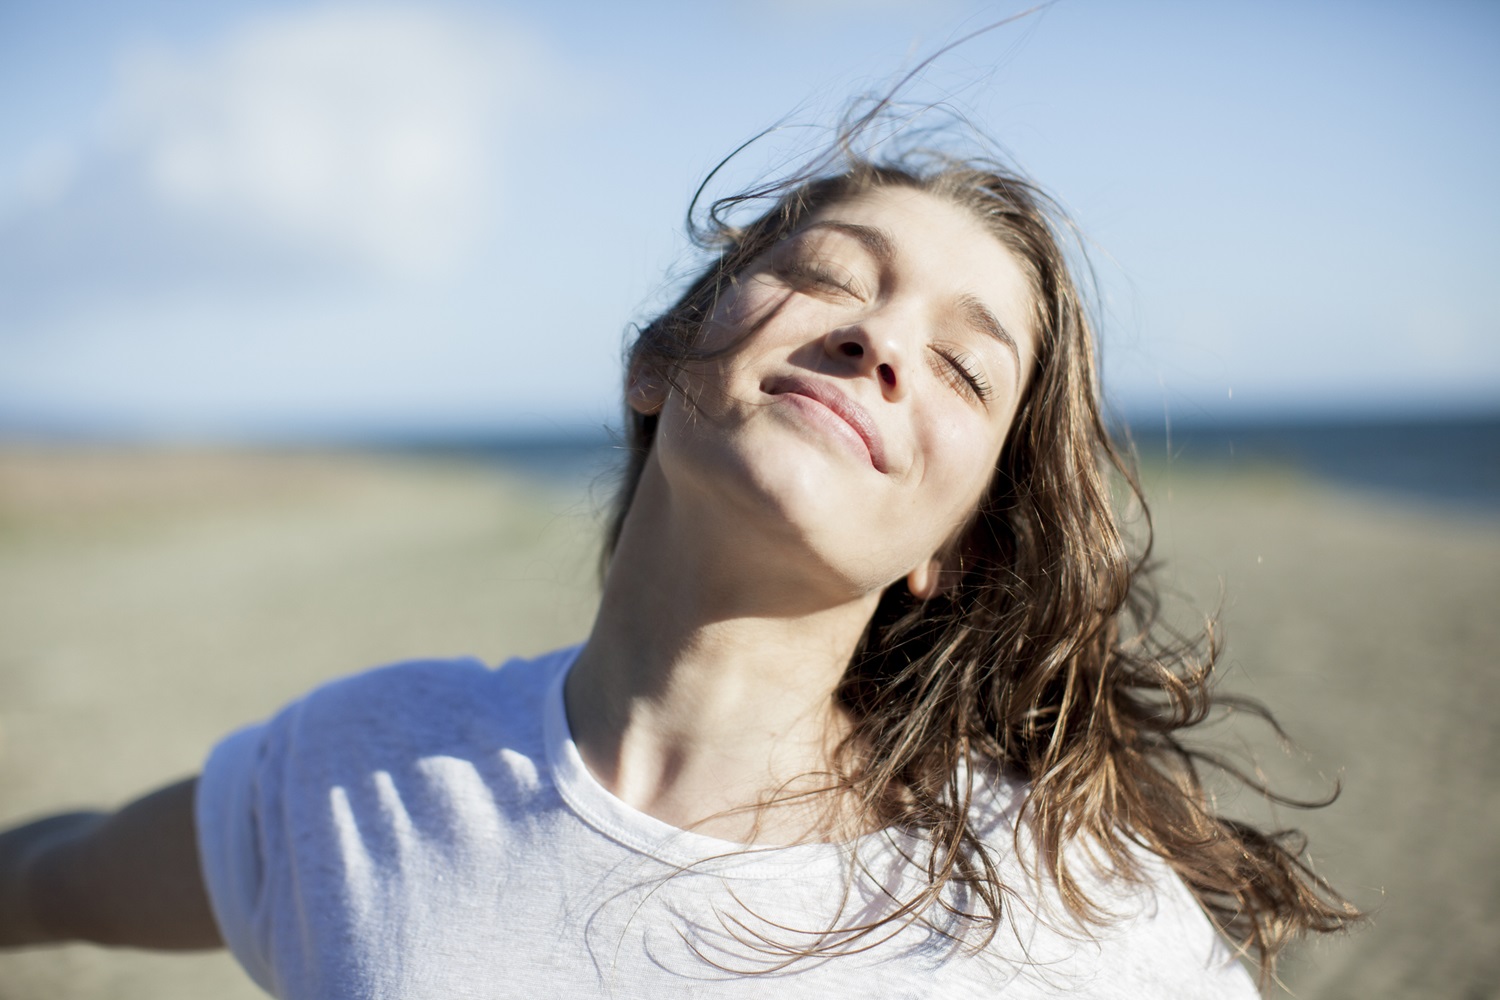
(155, 600)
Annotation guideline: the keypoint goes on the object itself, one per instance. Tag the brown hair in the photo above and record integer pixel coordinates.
(1046, 659)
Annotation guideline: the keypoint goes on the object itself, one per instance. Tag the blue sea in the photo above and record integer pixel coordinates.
(1449, 463)
(1446, 463)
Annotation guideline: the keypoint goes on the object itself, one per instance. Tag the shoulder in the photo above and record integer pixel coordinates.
(305, 807)
(424, 703)
(1156, 937)
(389, 716)
(1151, 936)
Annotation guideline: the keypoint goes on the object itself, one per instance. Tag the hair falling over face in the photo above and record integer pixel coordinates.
(1045, 658)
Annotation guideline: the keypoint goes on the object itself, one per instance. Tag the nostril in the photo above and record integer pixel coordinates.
(851, 350)
(887, 374)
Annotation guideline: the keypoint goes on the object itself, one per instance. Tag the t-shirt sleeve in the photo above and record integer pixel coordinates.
(230, 846)
(270, 831)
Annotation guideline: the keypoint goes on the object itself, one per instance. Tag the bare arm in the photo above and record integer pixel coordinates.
(125, 878)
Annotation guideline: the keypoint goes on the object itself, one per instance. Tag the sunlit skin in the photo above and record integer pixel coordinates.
(869, 369)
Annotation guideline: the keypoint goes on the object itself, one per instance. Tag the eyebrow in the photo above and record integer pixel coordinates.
(979, 315)
(874, 240)
(883, 249)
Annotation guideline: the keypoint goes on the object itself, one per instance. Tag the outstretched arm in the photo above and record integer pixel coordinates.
(125, 878)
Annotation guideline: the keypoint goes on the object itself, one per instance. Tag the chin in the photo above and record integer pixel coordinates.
(797, 491)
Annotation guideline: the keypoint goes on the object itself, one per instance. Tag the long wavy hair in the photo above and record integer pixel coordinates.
(1045, 658)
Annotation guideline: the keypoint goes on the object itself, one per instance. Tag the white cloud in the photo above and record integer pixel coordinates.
(372, 134)
(296, 220)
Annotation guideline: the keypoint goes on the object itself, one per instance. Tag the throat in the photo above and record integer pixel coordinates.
(721, 745)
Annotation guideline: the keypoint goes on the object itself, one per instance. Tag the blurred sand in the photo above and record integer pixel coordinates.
(152, 601)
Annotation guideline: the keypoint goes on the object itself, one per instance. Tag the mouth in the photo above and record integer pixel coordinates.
(829, 398)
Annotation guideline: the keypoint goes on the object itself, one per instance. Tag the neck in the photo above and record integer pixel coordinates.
(707, 685)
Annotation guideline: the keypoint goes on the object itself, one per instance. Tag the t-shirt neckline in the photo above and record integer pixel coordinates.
(645, 834)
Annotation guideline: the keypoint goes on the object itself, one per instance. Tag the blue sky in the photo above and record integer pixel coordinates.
(275, 218)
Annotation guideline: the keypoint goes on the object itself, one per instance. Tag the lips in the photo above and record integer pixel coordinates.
(841, 405)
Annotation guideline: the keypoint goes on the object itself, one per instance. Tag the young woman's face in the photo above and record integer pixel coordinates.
(873, 362)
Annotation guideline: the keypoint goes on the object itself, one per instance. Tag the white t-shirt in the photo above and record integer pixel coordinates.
(429, 830)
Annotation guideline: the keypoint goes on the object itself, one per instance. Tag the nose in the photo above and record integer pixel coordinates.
(859, 348)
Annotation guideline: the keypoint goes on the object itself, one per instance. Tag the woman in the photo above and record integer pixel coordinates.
(871, 703)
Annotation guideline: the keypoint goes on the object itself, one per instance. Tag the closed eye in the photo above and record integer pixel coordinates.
(960, 371)
(806, 273)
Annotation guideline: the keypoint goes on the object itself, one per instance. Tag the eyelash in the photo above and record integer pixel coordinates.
(958, 370)
(811, 272)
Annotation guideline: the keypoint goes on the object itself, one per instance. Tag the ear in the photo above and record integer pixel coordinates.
(929, 579)
(646, 390)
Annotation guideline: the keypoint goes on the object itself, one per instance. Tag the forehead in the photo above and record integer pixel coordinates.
(935, 244)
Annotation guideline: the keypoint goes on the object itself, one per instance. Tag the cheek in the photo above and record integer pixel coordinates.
(703, 390)
(745, 310)
(964, 461)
